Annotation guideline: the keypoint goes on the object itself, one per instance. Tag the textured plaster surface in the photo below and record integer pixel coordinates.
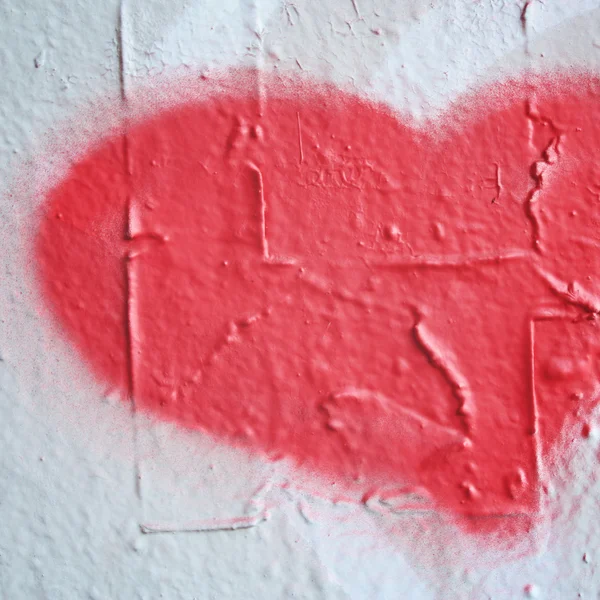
(95, 503)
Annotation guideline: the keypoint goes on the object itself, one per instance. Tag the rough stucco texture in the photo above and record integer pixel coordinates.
(114, 483)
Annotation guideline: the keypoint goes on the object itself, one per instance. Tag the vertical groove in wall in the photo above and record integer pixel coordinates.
(525, 17)
(121, 52)
(260, 59)
(130, 304)
(275, 408)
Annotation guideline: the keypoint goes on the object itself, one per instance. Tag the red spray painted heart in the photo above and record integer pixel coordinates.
(305, 275)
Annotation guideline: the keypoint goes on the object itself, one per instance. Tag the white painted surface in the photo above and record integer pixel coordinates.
(70, 514)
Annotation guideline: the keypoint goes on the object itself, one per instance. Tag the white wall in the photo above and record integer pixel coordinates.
(70, 511)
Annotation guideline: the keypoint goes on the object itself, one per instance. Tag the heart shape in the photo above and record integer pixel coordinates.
(306, 274)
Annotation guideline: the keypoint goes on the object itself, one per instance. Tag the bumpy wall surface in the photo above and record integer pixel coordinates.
(299, 299)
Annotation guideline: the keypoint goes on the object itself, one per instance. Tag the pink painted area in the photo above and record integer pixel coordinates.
(306, 275)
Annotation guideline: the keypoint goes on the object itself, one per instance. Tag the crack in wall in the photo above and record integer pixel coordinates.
(540, 169)
(440, 358)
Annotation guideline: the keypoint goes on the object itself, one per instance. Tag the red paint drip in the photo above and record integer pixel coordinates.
(305, 275)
